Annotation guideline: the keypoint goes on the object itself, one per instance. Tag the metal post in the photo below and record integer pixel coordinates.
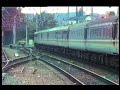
(2, 37)
(26, 34)
(40, 18)
(92, 13)
(118, 11)
(76, 14)
(14, 31)
(68, 14)
(82, 11)
(36, 23)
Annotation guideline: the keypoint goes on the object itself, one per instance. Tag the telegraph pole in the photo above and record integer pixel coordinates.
(118, 11)
(92, 13)
(14, 30)
(26, 33)
(36, 23)
(68, 15)
(40, 19)
(76, 14)
(82, 10)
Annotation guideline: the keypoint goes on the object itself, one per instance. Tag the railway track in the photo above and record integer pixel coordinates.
(114, 70)
(77, 74)
(71, 69)
(13, 62)
(5, 59)
(80, 74)
(60, 64)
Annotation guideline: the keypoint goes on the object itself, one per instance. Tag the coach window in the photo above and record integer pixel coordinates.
(78, 33)
(88, 33)
(114, 31)
(72, 35)
(103, 28)
(101, 31)
(110, 33)
(98, 33)
(41, 36)
(51, 35)
(75, 34)
(107, 32)
(56, 35)
(92, 33)
(59, 35)
(117, 29)
(47, 35)
(90, 30)
(35, 35)
(64, 34)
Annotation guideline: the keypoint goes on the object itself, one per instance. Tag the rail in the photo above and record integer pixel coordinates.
(107, 81)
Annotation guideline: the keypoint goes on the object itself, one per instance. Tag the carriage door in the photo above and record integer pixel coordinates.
(85, 37)
(117, 39)
(65, 38)
(116, 36)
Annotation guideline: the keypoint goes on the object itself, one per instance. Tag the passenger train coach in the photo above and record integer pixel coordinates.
(96, 41)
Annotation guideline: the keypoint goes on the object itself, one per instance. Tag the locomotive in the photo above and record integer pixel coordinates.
(95, 41)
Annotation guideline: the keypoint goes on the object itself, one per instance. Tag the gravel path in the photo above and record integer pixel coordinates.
(36, 73)
(11, 53)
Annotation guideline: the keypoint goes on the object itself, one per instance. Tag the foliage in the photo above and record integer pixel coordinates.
(46, 20)
(111, 13)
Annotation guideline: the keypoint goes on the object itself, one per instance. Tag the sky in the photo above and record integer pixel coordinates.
(61, 9)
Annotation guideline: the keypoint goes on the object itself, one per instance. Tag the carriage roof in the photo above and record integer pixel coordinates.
(54, 29)
(104, 20)
(80, 25)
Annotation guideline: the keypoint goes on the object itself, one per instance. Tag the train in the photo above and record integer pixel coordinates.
(95, 41)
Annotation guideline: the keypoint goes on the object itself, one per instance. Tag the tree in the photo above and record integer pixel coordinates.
(46, 20)
(8, 16)
(80, 12)
(111, 13)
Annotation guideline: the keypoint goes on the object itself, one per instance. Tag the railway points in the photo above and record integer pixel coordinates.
(45, 75)
(11, 53)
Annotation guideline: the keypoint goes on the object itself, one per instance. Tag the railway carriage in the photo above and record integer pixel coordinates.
(53, 38)
(102, 35)
(77, 36)
(96, 41)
